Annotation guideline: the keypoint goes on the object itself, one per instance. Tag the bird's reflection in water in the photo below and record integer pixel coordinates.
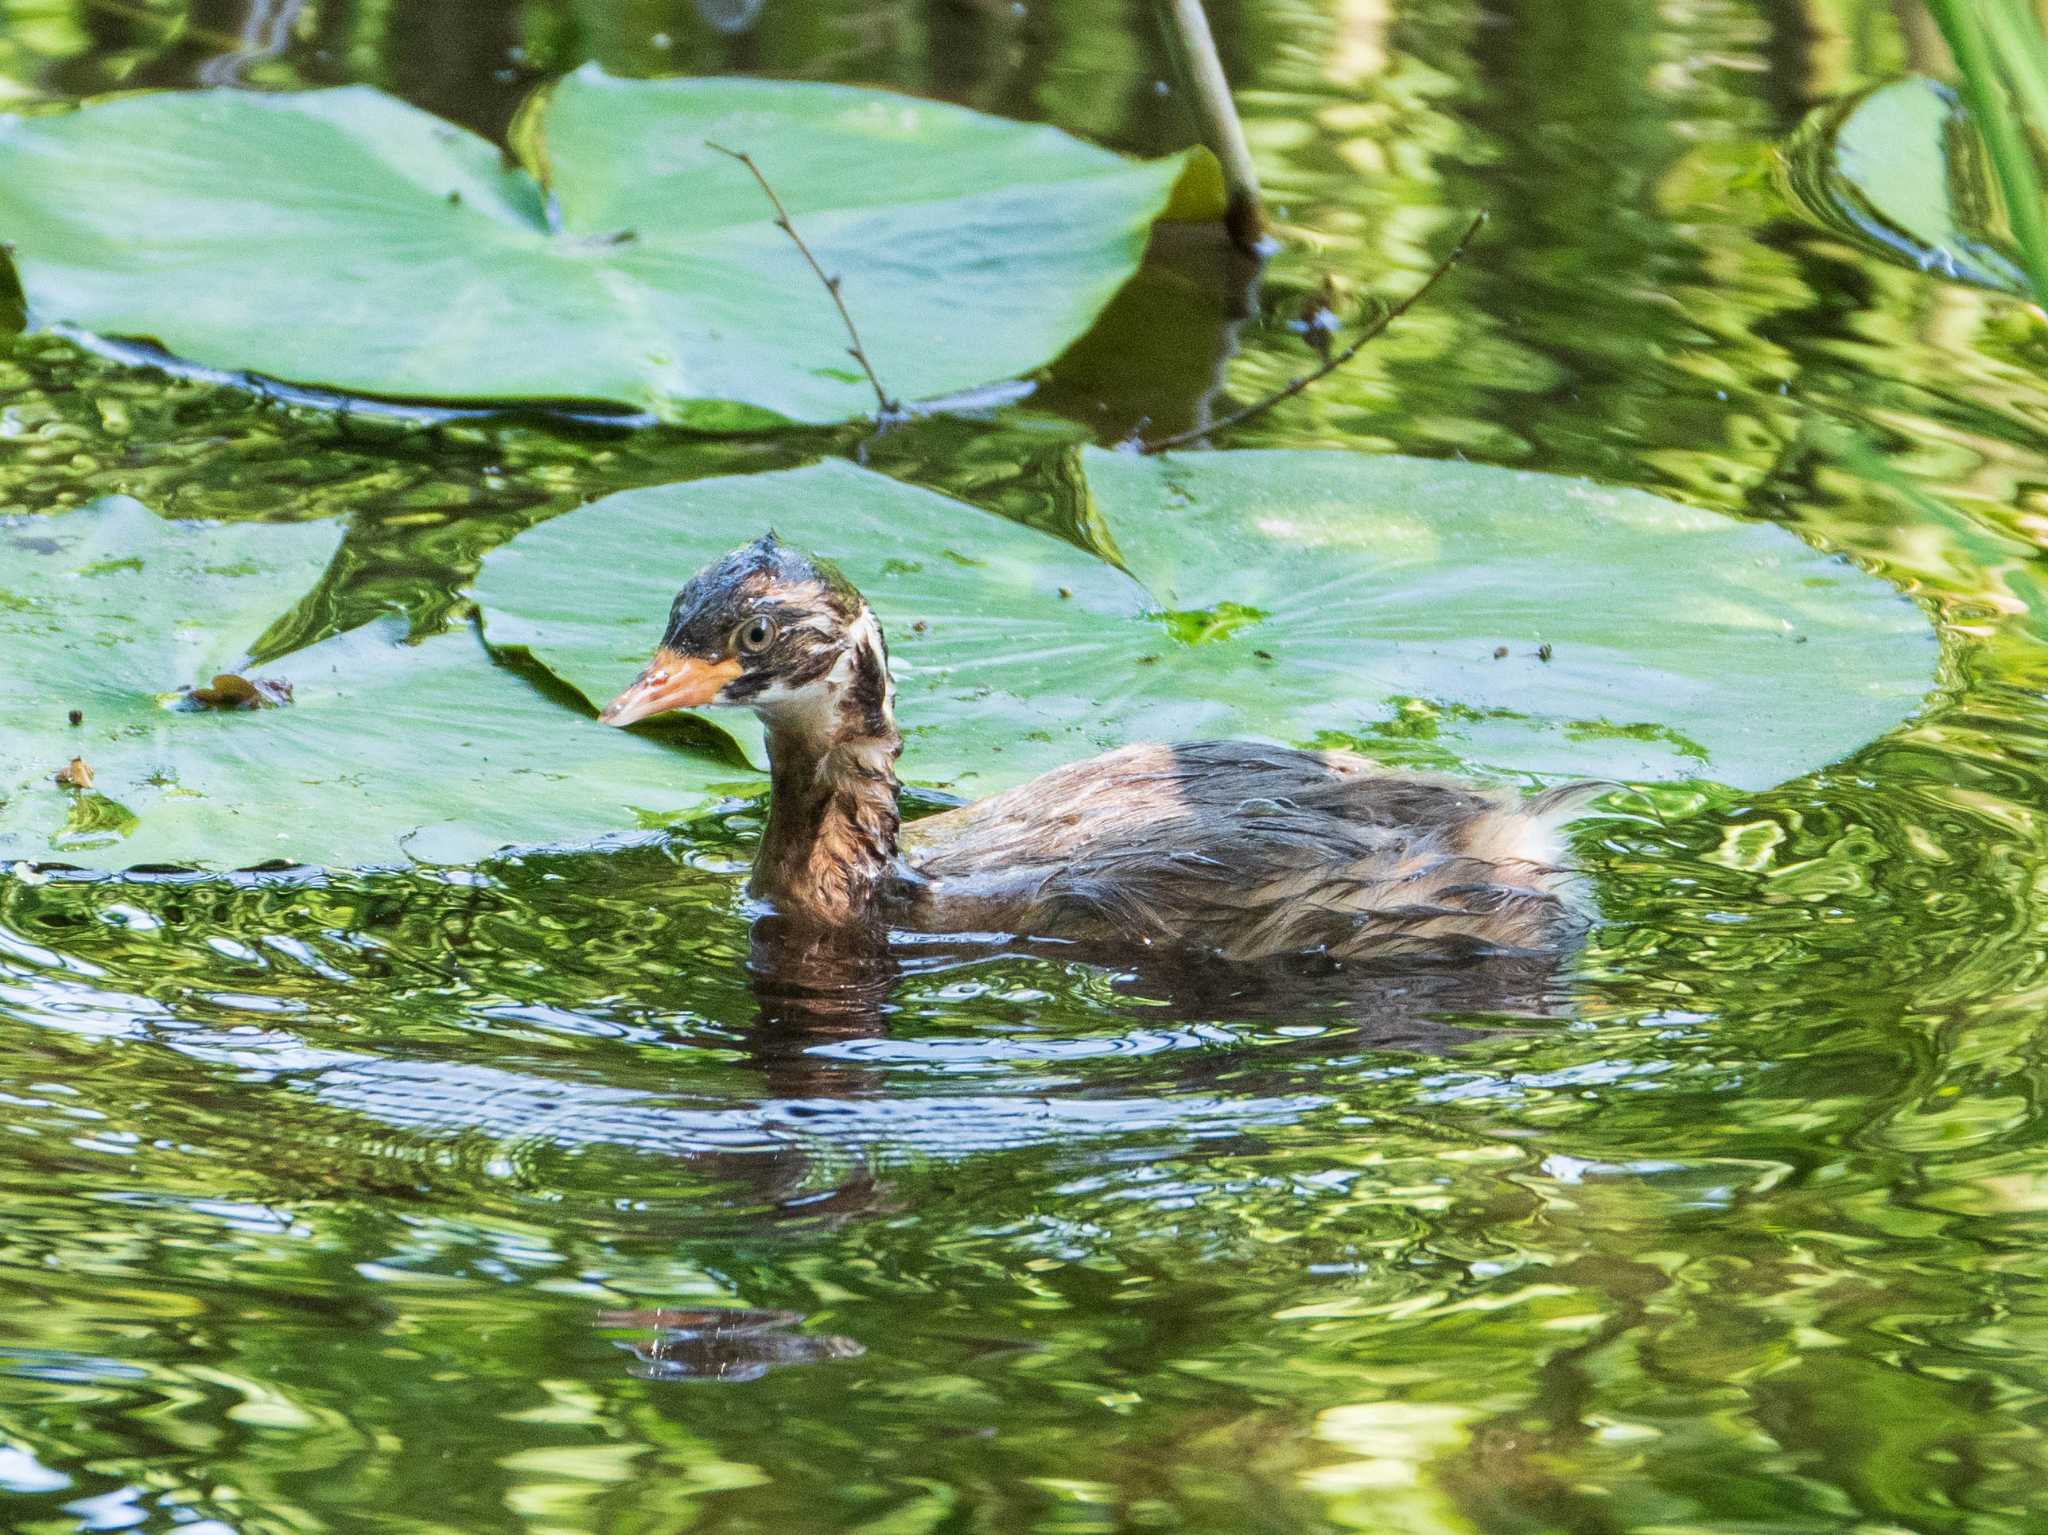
(815, 988)
(1406, 1007)
(811, 987)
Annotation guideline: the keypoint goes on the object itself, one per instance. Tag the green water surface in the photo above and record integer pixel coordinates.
(393, 1204)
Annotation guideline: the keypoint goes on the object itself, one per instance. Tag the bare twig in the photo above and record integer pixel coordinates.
(1294, 386)
(886, 406)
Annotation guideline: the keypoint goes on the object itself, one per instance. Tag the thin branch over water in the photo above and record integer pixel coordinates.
(885, 406)
(1331, 364)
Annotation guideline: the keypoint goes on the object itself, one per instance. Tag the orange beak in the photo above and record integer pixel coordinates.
(672, 681)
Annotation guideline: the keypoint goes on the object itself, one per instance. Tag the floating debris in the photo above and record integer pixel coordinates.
(1543, 651)
(715, 1343)
(231, 690)
(730, 1319)
(1500, 652)
(76, 716)
(76, 774)
(1318, 322)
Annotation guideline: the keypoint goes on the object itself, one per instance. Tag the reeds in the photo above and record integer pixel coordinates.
(2002, 53)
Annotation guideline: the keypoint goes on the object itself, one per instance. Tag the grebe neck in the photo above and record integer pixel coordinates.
(829, 849)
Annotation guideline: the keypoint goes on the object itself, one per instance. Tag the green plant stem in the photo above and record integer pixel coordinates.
(1194, 47)
(1997, 70)
(2016, 36)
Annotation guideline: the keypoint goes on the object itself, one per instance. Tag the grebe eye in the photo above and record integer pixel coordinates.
(754, 636)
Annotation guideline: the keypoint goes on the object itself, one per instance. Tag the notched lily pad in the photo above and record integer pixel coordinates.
(390, 751)
(344, 239)
(1306, 597)
(1303, 597)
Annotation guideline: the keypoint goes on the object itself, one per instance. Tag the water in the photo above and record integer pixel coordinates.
(500, 1202)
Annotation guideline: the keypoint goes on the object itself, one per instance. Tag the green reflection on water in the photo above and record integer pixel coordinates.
(319, 1189)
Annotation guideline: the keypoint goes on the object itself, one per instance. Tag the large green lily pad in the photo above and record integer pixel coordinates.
(1301, 597)
(985, 694)
(1901, 170)
(342, 238)
(388, 751)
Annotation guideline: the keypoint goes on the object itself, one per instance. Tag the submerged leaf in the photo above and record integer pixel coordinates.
(91, 821)
(1311, 598)
(1901, 170)
(343, 238)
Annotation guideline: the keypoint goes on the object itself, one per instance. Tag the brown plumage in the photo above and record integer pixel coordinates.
(1235, 849)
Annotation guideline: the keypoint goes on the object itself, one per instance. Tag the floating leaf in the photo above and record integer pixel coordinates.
(390, 751)
(343, 238)
(75, 774)
(1303, 597)
(1901, 170)
(971, 603)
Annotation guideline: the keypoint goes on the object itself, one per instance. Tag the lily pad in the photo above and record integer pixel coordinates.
(342, 238)
(978, 634)
(388, 752)
(1901, 170)
(1303, 597)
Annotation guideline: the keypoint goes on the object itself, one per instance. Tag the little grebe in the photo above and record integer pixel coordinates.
(1245, 851)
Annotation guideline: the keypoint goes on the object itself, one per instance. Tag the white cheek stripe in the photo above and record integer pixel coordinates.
(813, 706)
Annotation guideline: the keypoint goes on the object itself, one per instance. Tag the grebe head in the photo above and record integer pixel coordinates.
(772, 629)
